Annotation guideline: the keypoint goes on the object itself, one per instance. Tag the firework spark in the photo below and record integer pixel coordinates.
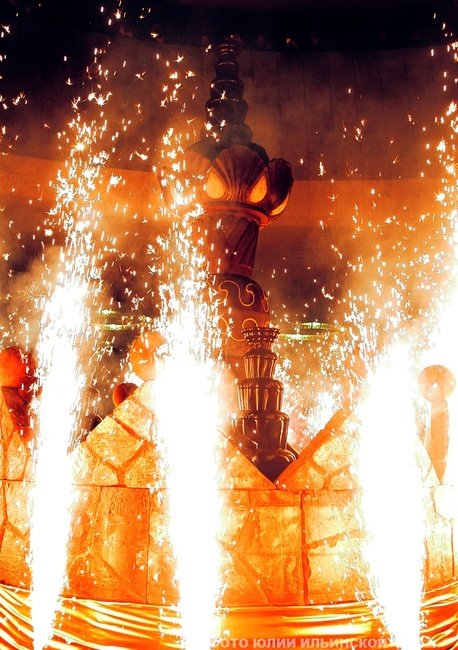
(392, 497)
(444, 344)
(187, 428)
(187, 405)
(64, 328)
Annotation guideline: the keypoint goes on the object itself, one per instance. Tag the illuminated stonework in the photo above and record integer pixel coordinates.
(295, 542)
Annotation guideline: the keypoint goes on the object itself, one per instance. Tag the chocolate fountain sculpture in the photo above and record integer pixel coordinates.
(262, 430)
(292, 547)
(242, 191)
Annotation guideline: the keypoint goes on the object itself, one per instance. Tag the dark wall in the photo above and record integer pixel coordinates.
(341, 115)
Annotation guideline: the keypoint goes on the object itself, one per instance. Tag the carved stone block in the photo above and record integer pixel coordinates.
(108, 549)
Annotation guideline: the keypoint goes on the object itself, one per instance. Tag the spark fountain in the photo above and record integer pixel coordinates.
(64, 331)
(279, 549)
(395, 561)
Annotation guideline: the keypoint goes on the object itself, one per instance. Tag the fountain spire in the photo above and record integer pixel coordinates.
(241, 191)
(261, 430)
(226, 110)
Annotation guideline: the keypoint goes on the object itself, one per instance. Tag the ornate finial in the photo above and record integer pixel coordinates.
(238, 176)
(226, 109)
(437, 384)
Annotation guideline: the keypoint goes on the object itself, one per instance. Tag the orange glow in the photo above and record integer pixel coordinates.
(89, 624)
(392, 497)
(215, 187)
(259, 190)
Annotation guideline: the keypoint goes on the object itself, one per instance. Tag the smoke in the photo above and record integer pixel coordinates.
(136, 99)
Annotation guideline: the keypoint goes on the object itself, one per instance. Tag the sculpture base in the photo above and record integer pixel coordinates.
(89, 624)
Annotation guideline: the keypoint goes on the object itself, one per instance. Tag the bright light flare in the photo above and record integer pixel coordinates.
(188, 419)
(64, 328)
(392, 497)
(187, 425)
(52, 494)
(187, 402)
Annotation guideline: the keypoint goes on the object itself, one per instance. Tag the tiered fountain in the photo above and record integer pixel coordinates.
(262, 430)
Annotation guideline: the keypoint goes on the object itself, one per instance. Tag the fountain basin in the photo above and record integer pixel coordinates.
(293, 546)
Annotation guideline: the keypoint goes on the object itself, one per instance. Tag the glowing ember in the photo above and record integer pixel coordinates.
(392, 497)
(64, 327)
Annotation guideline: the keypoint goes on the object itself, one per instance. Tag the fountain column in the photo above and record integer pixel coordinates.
(241, 191)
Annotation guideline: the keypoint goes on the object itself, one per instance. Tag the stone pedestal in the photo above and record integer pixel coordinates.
(292, 543)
